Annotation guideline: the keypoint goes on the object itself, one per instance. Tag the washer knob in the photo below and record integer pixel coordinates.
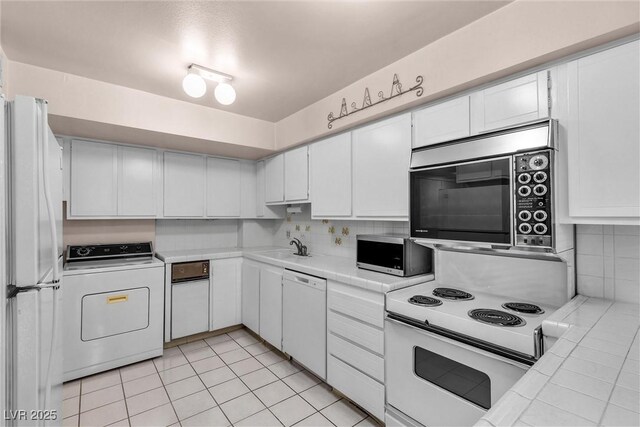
(83, 251)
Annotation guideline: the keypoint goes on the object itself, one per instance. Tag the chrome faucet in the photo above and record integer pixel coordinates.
(301, 249)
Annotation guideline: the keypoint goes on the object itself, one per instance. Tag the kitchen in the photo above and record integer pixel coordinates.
(207, 224)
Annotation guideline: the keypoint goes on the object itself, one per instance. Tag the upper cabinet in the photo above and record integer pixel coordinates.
(296, 175)
(330, 176)
(223, 187)
(137, 181)
(109, 180)
(510, 103)
(442, 122)
(381, 154)
(94, 179)
(603, 134)
(274, 179)
(184, 179)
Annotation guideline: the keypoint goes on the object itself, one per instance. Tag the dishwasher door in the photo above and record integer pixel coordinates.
(304, 320)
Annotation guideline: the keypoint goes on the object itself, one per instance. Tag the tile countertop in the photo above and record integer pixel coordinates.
(335, 268)
(590, 376)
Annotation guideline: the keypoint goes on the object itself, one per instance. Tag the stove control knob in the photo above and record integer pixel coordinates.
(524, 178)
(83, 251)
(540, 228)
(524, 216)
(540, 176)
(539, 161)
(540, 190)
(540, 215)
(524, 191)
(525, 228)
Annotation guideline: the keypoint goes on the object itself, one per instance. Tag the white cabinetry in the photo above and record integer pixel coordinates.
(603, 135)
(251, 295)
(137, 182)
(271, 305)
(274, 179)
(94, 179)
(442, 122)
(296, 175)
(184, 179)
(381, 154)
(223, 187)
(330, 176)
(225, 293)
(355, 345)
(510, 103)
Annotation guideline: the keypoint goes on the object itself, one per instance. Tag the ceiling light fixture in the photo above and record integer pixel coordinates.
(195, 86)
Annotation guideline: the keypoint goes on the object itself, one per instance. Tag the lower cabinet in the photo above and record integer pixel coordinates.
(225, 293)
(271, 305)
(355, 345)
(189, 308)
(251, 295)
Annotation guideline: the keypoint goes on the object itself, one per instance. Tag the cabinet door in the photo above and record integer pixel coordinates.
(251, 295)
(189, 308)
(381, 154)
(248, 190)
(442, 122)
(226, 293)
(223, 187)
(296, 175)
(136, 183)
(330, 173)
(94, 179)
(510, 103)
(271, 305)
(274, 179)
(603, 133)
(183, 185)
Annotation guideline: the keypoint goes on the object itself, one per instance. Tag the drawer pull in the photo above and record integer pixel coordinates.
(117, 298)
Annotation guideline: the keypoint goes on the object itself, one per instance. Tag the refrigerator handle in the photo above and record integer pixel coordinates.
(44, 169)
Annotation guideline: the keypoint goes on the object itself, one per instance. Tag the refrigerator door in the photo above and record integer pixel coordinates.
(35, 365)
(36, 161)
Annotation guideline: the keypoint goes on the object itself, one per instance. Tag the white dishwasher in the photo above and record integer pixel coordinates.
(189, 298)
(304, 320)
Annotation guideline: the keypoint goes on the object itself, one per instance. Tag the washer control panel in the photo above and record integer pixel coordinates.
(533, 201)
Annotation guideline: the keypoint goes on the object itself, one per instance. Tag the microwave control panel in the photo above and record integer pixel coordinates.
(533, 199)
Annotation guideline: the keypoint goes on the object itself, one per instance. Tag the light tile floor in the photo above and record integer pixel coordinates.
(229, 379)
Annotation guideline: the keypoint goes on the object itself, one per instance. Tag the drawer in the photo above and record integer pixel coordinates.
(358, 303)
(367, 362)
(363, 334)
(358, 387)
(113, 313)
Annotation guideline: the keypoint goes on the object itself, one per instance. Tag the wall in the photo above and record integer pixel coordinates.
(330, 237)
(86, 232)
(77, 105)
(608, 261)
(180, 234)
(518, 36)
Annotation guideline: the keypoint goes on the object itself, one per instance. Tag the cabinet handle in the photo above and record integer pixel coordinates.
(117, 298)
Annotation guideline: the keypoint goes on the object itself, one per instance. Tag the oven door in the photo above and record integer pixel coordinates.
(439, 381)
(464, 202)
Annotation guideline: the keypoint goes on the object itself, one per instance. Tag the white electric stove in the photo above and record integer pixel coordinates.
(451, 352)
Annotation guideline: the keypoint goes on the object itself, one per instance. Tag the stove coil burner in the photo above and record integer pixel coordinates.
(496, 317)
(452, 294)
(425, 301)
(523, 307)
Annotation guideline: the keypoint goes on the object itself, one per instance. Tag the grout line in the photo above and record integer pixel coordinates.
(124, 396)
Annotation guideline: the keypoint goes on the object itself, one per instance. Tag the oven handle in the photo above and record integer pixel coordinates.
(465, 339)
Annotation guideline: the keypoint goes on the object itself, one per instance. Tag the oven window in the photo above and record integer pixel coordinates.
(459, 379)
(468, 202)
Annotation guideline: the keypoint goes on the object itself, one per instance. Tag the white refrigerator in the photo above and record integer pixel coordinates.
(30, 265)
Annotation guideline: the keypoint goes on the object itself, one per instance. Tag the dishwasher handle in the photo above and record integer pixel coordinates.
(305, 280)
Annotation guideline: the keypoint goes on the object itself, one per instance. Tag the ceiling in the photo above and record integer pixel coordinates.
(284, 55)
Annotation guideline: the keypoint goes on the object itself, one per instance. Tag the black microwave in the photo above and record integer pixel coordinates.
(393, 254)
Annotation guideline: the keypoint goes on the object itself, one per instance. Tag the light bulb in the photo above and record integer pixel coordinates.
(225, 94)
(194, 85)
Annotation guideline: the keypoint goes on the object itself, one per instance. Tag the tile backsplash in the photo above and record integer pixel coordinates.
(608, 261)
(331, 237)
